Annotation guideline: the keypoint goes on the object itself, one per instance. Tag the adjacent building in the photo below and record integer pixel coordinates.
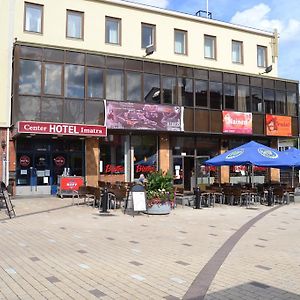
(111, 89)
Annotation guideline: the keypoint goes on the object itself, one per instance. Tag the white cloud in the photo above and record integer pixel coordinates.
(156, 3)
(257, 17)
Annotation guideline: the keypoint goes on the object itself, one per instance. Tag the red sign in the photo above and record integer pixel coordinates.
(113, 169)
(24, 161)
(71, 183)
(144, 169)
(237, 122)
(61, 128)
(59, 161)
(278, 125)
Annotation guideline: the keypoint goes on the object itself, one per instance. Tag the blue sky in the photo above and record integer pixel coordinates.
(266, 15)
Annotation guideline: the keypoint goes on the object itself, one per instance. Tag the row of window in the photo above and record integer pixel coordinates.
(34, 23)
(83, 82)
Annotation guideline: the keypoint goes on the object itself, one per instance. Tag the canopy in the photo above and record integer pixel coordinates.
(251, 153)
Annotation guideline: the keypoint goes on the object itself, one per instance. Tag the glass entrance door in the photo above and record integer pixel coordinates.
(183, 172)
(202, 171)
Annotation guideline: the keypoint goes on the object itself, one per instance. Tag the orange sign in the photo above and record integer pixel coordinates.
(278, 125)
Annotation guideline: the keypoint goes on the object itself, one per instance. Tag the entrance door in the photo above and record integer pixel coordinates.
(183, 171)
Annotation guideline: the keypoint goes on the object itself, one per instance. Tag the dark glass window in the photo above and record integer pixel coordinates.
(30, 77)
(134, 83)
(280, 103)
(257, 102)
(115, 85)
(28, 109)
(182, 144)
(151, 88)
(73, 111)
(169, 89)
(243, 98)
(95, 83)
(53, 79)
(185, 92)
(51, 110)
(292, 103)
(215, 95)
(201, 91)
(269, 101)
(94, 112)
(229, 96)
(74, 81)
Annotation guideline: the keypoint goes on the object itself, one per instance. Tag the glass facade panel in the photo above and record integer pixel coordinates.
(51, 110)
(33, 17)
(229, 96)
(180, 144)
(151, 88)
(292, 104)
(134, 84)
(185, 92)
(169, 90)
(30, 77)
(243, 99)
(112, 31)
(257, 101)
(115, 85)
(94, 112)
(29, 108)
(280, 103)
(215, 95)
(95, 83)
(53, 79)
(74, 24)
(73, 111)
(201, 92)
(74, 81)
(269, 100)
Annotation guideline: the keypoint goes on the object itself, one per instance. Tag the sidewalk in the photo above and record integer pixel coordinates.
(56, 251)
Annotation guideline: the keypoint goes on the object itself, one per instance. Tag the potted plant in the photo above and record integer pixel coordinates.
(160, 192)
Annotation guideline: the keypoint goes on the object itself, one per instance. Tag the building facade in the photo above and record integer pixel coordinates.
(110, 89)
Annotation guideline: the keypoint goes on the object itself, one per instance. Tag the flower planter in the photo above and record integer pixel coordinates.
(159, 209)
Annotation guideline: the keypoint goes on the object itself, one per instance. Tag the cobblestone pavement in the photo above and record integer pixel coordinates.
(53, 250)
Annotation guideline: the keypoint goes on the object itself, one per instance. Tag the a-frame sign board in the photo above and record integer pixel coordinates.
(9, 207)
(136, 199)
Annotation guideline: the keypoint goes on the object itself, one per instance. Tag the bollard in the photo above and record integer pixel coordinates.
(198, 198)
(104, 201)
(270, 196)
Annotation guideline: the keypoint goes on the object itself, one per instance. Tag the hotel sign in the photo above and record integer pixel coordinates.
(61, 129)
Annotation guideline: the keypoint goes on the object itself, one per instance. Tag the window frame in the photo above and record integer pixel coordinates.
(214, 39)
(153, 34)
(79, 13)
(185, 37)
(241, 52)
(36, 5)
(119, 36)
(265, 50)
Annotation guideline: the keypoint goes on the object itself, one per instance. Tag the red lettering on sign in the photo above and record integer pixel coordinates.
(144, 169)
(113, 169)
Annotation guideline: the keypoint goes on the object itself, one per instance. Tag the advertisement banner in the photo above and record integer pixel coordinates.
(71, 183)
(124, 115)
(60, 128)
(237, 122)
(278, 125)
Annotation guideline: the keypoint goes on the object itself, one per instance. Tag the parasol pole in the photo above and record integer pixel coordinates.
(293, 171)
(252, 175)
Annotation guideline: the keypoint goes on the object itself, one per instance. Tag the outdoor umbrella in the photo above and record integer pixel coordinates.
(251, 153)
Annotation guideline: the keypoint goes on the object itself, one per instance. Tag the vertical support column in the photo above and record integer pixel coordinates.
(164, 152)
(274, 173)
(92, 161)
(127, 158)
(224, 169)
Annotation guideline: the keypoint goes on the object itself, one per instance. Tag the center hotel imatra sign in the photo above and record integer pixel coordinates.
(61, 129)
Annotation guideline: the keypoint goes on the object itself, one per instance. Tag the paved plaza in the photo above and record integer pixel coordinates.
(53, 250)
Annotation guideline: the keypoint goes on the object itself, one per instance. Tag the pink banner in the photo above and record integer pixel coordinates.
(237, 122)
(125, 115)
(60, 128)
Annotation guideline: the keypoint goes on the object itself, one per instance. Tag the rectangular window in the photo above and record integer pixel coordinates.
(257, 102)
(237, 52)
(115, 85)
(262, 56)
(169, 90)
(291, 104)
(134, 91)
(243, 98)
(112, 31)
(33, 18)
(94, 83)
(269, 100)
(201, 93)
(280, 103)
(151, 88)
(53, 79)
(74, 24)
(148, 35)
(30, 77)
(185, 92)
(74, 81)
(210, 47)
(229, 96)
(180, 42)
(215, 93)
